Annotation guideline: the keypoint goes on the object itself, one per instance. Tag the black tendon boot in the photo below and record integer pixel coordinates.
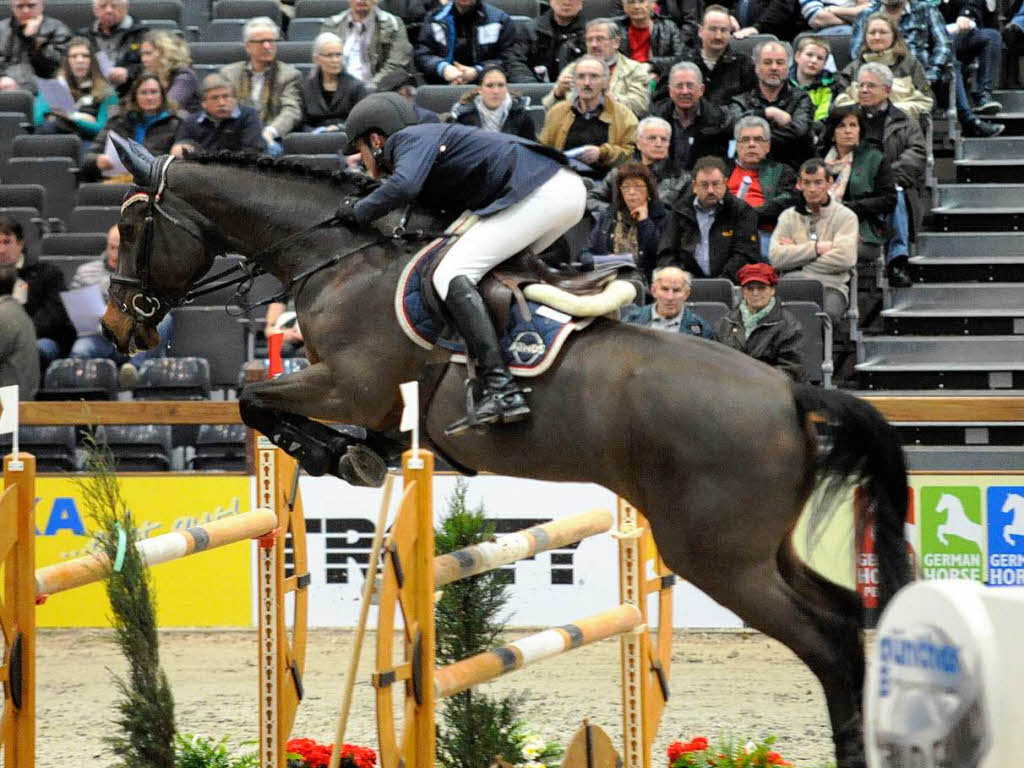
(501, 399)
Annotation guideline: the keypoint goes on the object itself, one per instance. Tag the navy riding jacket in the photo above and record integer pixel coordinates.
(455, 167)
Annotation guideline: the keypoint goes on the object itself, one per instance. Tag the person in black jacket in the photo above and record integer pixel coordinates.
(31, 45)
(493, 108)
(117, 36)
(223, 124)
(37, 289)
(699, 127)
(972, 41)
(646, 36)
(781, 18)
(460, 38)
(329, 92)
(559, 38)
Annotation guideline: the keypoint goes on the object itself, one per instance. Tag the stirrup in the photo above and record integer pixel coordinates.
(472, 419)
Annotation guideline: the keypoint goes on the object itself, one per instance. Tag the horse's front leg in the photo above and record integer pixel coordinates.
(283, 409)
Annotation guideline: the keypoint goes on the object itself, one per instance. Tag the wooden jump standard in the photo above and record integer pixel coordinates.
(411, 574)
(278, 525)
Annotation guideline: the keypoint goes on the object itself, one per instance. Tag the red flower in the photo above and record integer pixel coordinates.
(774, 758)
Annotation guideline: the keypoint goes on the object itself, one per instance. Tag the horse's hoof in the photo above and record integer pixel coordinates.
(361, 466)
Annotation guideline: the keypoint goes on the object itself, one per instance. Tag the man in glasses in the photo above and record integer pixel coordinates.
(374, 41)
(31, 45)
(699, 127)
(117, 38)
(269, 86)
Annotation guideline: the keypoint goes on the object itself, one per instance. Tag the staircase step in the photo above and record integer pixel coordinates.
(1012, 101)
(989, 171)
(978, 208)
(960, 298)
(968, 256)
(942, 362)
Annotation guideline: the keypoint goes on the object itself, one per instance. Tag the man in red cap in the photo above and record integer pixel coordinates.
(760, 327)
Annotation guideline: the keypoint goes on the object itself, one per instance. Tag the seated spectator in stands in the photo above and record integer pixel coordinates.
(884, 44)
(902, 141)
(709, 232)
(329, 92)
(765, 185)
(559, 37)
(146, 116)
(19, 359)
(117, 37)
(832, 17)
(699, 127)
(493, 108)
(633, 221)
(166, 56)
(653, 136)
(766, 17)
(222, 124)
(861, 178)
(760, 327)
(648, 37)
(686, 14)
(629, 81)
(670, 288)
(95, 345)
(37, 289)
(288, 324)
(974, 42)
(460, 38)
(924, 31)
(375, 42)
(94, 97)
(787, 109)
(31, 45)
(725, 73)
(810, 76)
(816, 239)
(269, 86)
(404, 83)
(601, 130)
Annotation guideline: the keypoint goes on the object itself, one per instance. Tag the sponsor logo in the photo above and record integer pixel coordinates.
(527, 348)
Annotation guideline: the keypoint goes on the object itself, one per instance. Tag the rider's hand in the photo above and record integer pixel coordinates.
(346, 213)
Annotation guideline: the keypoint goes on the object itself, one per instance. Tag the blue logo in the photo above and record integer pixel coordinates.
(1005, 536)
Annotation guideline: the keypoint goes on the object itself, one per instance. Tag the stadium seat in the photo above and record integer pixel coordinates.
(77, 379)
(138, 448)
(76, 15)
(712, 289)
(746, 46)
(319, 162)
(148, 11)
(537, 114)
(53, 446)
(217, 53)
(305, 9)
(98, 193)
(440, 98)
(305, 29)
(220, 447)
(48, 146)
(174, 378)
(296, 52)
(19, 101)
(528, 8)
(801, 290)
(211, 333)
(246, 9)
(68, 265)
(817, 352)
(54, 173)
(93, 218)
(315, 143)
(23, 196)
(710, 311)
(12, 125)
(532, 91)
(224, 30)
(601, 9)
(73, 244)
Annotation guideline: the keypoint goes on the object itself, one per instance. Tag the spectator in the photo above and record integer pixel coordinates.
(861, 178)
(670, 288)
(93, 95)
(375, 42)
(686, 14)
(924, 31)
(559, 37)
(166, 56)
(766, 17)
(633, 221)
(493, 108)
(223, 124)
(145, 116)
(329, 92)
(37, 289)
(629, 82)
(832, 17)
(709, 232)
(404, 84)
(725, 73)
(645, 36)
(269, 86)
(653, 136)
(699, 127)
(760, 327)
(884, 43)
(973, 41)
(787, 109)
(31, 45)
(765, 185)
(95, 345)
(19, 360)
(816, 239)
(460, 38)
(115, 36)
(902, 141)
(810, 76)
(601, 130)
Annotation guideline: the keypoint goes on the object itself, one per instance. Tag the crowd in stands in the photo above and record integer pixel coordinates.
(704, 158)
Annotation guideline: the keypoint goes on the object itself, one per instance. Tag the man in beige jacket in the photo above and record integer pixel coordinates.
(817, 239)
(375, 41)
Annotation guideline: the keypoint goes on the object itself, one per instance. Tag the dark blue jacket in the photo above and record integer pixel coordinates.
(692, 323)
(648, 235)
(454, 167)
(492, 39)
(241, 131)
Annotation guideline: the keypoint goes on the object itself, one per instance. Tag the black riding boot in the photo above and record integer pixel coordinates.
(501, 399)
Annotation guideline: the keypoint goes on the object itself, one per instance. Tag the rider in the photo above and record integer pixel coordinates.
(524, 195)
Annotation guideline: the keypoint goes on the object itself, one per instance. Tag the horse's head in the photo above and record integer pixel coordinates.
(163, 251)
(1013, 503)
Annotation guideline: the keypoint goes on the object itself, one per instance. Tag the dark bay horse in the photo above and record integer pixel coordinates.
(719, 451)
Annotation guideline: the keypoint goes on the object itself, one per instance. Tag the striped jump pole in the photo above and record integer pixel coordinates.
(175, 545)
(467, 673)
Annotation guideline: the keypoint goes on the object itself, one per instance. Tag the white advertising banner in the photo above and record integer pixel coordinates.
(551, 589)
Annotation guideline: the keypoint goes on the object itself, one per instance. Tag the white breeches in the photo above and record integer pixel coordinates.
(534, 222)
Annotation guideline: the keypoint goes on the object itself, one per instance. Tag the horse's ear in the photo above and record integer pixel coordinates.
(136, 159)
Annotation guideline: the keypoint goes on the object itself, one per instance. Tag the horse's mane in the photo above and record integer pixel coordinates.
(347, 179)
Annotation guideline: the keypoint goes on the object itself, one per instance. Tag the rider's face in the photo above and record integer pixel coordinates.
(366, 148)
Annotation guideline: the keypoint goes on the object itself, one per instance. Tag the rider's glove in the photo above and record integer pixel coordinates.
(346, 212)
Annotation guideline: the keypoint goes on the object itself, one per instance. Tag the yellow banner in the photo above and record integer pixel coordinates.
(204, 590)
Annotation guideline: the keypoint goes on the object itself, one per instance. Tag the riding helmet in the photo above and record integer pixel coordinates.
(384, 112)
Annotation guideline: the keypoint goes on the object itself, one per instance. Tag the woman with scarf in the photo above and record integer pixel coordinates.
(166, 55)
(329, 92)
(493, 108)
(145, 117)
(884, 43)
(94, 96)
(632, 223)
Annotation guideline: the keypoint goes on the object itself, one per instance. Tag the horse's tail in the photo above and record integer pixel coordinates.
(863, 448)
